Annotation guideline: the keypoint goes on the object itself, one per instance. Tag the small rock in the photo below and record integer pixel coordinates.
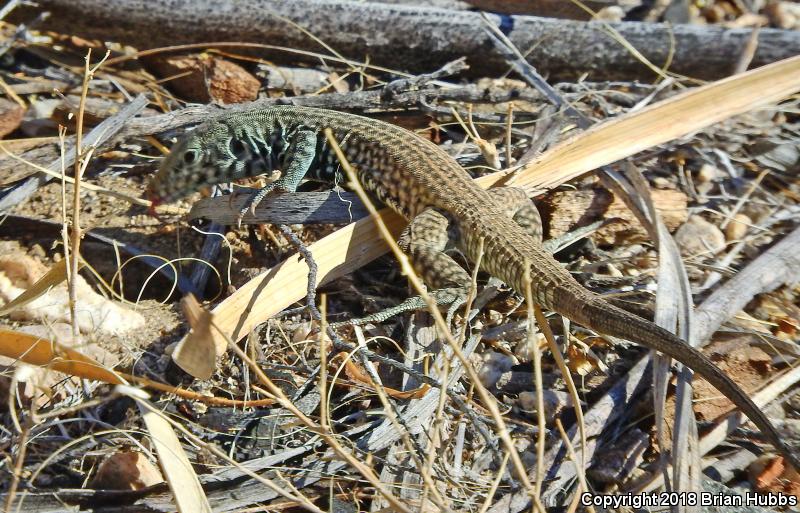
(611, 13)
(708, 173)
(126, 471)
(527, 401)
(494, 365)
(613, 271)
(296, 80)
(302, 332)
(528, 458)
(495, 318)
(699, 237)
(737, 228)
(660, 182)
(37, 251)
(554, 402)
(785, 15)
(524, 349)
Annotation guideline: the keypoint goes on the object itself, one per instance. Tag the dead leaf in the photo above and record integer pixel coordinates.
(126, 470)
(578, 362)
(11, 115)
(31, 292)
(355, 373)
(197, 352)
(770, 474)
(181, 477)
(48, 353)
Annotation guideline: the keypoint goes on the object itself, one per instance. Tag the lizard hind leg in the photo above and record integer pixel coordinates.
(519, 207)
(425, 240)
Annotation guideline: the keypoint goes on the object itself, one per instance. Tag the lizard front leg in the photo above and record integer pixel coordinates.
(299, 155)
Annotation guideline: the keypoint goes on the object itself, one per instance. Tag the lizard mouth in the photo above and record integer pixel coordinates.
(155, 200)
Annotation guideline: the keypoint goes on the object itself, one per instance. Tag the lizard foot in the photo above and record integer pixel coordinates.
(256, 198)
(454, 297)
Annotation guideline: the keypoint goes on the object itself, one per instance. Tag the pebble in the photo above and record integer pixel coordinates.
(494, 365)
(524, 349)
(37, 251)
(708, 173)
(737, 227)
(697, 236)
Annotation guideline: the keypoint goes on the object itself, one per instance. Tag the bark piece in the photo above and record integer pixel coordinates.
(549, 8)
(204, 78)
(11, 115)
(565, 210)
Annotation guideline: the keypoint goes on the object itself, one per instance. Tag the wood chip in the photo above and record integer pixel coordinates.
(126, 471)
(11, 115)
(204, 78)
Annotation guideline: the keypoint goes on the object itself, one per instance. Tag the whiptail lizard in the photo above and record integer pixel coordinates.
(420, 181)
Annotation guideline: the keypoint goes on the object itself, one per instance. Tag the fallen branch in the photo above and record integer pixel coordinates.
(416, 39)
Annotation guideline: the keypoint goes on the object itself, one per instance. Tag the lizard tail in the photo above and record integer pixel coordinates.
(607, 319)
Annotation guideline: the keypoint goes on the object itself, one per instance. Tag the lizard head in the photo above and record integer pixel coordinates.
(200, 158)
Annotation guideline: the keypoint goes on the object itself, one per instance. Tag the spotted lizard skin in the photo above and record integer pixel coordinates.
(425, 185)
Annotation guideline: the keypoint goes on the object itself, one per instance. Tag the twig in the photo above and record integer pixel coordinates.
(451, 68)
(574, 458)
(735, 419)
(567, 376)
(10, 6)
(275, 392)
(81, 162)
(495, 483)
(22, 444)
(777, 265)
(20, 31)
(300, 499)
(214, 236)
(510, 52)
(538, 383)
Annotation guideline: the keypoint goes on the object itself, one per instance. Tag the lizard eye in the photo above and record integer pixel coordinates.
(190, 157)
(237, 148)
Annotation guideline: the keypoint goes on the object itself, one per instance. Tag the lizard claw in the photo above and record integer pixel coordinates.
(250, 206)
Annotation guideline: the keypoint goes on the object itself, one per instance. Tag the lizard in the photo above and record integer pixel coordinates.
(421, 182)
